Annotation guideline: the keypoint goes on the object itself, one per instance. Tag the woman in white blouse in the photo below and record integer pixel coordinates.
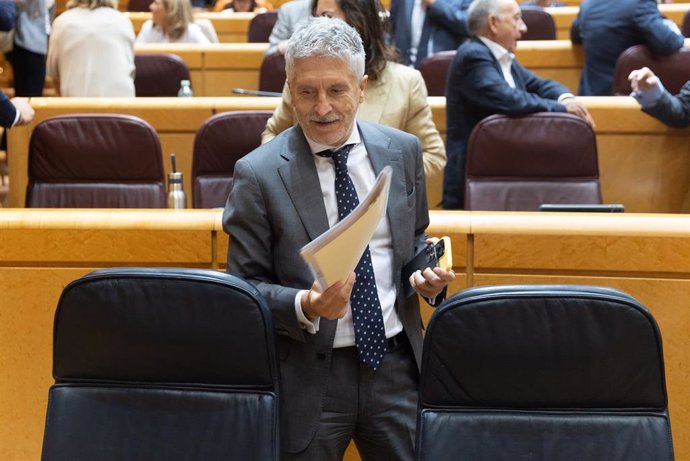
(171, 23)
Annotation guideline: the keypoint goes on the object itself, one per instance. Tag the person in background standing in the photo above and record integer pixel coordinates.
(606, 28)
(425, 27)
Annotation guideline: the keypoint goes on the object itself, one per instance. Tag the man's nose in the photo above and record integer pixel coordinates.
(323, 105)
(522, 27)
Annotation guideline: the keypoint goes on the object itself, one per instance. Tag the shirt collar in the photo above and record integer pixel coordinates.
(500, 53)
(315, 147)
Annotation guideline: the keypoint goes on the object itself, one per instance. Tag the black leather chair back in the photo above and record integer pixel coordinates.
(260, 27)
(673, 70)
(685, 29)
(221, 141)
(95, 161)
(272, 74)
(519, 163)
(434, 70)
(541, 372)
(540, 24)
(162, 364)
(159, 74)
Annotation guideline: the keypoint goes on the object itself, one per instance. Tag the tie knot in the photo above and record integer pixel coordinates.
(339, 156)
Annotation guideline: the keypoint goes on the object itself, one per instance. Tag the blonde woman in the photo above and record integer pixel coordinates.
(172, 22)
(91, 50)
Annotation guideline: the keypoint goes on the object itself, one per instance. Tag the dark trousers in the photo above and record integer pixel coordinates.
(378, 409)
(29, 71)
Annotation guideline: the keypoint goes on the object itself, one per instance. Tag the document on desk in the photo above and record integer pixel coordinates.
(333, 255)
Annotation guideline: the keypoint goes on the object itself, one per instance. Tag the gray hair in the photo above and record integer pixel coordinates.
(478, 15)
(325, 37)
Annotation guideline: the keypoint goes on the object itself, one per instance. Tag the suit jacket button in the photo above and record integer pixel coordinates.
(320, 355)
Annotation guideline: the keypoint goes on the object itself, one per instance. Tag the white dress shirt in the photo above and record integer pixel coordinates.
(381, 245)
(504, 58)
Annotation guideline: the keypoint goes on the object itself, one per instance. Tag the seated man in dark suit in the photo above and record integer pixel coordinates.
(485, 79)
(425, 27)
(657, 101)
(606, 28)
(349, 352)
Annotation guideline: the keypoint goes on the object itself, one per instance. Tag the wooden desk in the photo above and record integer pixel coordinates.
(643, 164)
(647, 256)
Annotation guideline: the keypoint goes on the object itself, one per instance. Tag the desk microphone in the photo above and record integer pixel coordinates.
(256, 92)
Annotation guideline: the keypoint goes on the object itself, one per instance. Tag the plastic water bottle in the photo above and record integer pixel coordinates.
(185, 89)
(177, 199)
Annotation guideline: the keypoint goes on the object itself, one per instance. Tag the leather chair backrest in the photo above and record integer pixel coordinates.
(260, 27)
(159, 74)
(685, 29)
(540, 24)
(160, 364)
(434, 70)
(543, 372)
(221, 141)
(138, 5)
(673, 70)
(95, 161)
(519, 163)
(272, 74)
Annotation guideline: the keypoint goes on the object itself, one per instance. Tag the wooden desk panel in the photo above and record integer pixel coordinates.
(647, 256)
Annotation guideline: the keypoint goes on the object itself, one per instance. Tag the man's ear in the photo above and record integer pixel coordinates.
(362, 87)
(491, 23)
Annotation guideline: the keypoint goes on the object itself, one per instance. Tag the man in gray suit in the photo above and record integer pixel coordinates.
(286, 194)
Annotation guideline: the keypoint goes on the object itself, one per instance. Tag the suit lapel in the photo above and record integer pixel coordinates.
(301, 180)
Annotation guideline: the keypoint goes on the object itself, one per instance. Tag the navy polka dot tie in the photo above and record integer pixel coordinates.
(370, 334)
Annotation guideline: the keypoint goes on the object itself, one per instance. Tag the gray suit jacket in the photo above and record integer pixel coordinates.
(274, 209)
(289, 15)
(673, 110)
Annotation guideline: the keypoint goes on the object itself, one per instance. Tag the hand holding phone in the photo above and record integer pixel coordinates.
(436, 253)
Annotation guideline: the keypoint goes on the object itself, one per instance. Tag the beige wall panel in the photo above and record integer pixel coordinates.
(27, 307)
(668, 302)
(646, 173)
(582, 253)
(44, 247)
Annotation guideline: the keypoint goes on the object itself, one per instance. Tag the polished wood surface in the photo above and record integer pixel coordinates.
(647, 256)
(643, 164)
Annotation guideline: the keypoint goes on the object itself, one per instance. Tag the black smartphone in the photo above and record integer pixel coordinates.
(427, 256)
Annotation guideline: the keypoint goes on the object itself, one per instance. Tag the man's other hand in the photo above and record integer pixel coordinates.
(642, 79)
(330, 304)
